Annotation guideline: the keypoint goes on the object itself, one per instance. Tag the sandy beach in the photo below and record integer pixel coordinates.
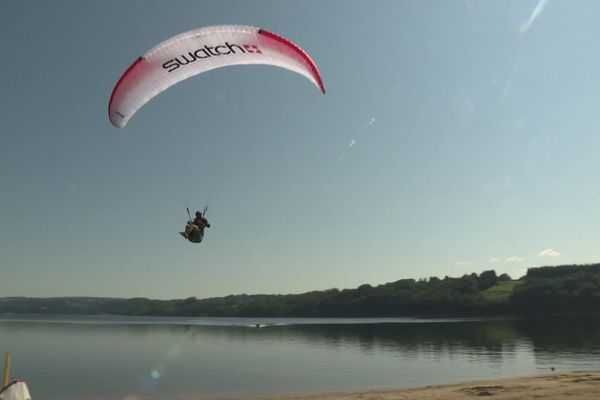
(575, 385)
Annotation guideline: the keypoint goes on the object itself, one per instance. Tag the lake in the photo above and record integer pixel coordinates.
(101, 357)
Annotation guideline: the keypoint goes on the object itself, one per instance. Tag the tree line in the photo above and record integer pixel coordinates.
(544, 290)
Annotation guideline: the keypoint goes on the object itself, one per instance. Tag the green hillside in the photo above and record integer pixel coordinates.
(501, 291)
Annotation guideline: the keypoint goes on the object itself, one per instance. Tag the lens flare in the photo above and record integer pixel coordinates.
(174, 352)
(152, 378)
(365, 127)
(537, 11)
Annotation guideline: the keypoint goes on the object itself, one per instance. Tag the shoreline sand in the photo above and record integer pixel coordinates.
(575, 385)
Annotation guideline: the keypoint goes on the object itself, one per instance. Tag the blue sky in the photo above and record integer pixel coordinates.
(455, 137)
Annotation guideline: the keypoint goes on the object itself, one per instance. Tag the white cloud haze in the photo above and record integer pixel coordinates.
(548, 253)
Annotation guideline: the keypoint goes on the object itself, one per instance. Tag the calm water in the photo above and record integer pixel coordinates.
(176, 358)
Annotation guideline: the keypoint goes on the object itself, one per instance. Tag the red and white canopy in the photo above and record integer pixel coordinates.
(201, 50)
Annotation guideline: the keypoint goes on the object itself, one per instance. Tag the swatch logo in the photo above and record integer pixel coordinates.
(208, 52)
(251, 48)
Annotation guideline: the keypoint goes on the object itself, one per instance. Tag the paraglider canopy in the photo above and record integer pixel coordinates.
(197, 51)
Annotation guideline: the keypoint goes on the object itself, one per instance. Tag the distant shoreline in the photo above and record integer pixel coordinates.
(559, 290)
(584, 385)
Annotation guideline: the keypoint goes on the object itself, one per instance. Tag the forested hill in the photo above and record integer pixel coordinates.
(544, 290)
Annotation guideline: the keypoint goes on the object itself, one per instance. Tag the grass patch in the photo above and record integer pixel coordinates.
(501, 291)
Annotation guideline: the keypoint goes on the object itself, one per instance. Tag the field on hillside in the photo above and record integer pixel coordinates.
(501, 291)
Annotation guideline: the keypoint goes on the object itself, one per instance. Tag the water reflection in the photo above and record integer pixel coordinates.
(153, 357)
(563, 342)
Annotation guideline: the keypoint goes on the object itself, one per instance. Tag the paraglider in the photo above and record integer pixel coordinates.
(201, 50)
(197, 51)
(194, 230)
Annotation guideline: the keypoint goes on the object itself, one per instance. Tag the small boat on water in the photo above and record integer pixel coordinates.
(13, 389)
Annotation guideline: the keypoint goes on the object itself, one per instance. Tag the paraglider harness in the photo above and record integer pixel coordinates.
(194, 230)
